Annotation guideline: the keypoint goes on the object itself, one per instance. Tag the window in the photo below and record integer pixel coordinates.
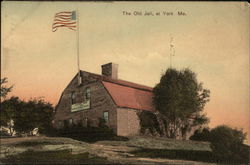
(65, 123)
(87, 94)
(85, 122)
(106, 116)
(73, 98)
(59, 124)
(70, 122)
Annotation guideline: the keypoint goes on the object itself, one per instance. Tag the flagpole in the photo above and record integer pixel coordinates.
(170, 51)
(77, 36)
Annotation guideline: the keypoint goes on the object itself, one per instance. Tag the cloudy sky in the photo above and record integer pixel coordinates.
(211, 38)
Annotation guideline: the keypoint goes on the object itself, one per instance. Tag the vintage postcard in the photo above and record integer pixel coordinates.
(122, 82)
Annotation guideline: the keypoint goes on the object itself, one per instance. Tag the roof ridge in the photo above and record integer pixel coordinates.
(141, 88)
(122, 82)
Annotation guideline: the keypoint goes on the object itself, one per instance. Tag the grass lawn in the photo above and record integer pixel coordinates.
(34, 143)
(201, 156)
(135, 150)
(54, 157)
(194, 155)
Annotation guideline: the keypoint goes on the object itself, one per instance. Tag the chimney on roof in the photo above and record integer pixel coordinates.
(110, 70)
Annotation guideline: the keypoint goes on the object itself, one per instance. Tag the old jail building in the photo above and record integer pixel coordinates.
(95, 96)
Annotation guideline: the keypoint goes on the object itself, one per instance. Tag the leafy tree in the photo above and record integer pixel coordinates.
(43, 114)
(36, 113)
(25, 120)
(4, 88)
(180, 98)
(9, 107)
(6, 110)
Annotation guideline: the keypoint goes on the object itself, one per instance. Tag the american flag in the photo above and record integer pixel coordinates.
(64, 19)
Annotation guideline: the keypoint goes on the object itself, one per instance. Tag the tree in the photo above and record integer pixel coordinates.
(6, 110)
(44, 115)
(9, 107)
(180, 99)
(5, 89)
(25, 119)
(23, 116)
(36, 113)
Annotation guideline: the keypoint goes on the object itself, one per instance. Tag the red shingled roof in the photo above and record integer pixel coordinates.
(124, 93)
(128, 84)
(130, 95)
(121, 82)
(127, 94)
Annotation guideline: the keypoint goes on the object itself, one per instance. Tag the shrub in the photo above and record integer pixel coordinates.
(53, 157)
(89, 134)
(201, 135)
(102, 123)
(227, 144)
(4, 133)
(148, 121)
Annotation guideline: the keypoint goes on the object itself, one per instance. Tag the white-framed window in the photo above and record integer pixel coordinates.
(73, 97)
(106, 116)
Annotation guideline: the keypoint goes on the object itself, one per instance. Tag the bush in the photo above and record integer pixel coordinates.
(102, 123)
(53, 157)
(148, 121)
(195, 155)
(201, 135)
(4, 133)
(227, 144)
(89, 134)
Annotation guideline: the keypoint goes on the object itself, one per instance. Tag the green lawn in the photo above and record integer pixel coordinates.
(53, 157)
(59, 150)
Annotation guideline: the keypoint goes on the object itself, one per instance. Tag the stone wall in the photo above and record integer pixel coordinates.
(100, 101)
(128, 122)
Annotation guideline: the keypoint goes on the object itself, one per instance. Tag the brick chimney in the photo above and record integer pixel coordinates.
(110, 70)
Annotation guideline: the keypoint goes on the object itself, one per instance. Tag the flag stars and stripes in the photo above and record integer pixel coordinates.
(64, 19)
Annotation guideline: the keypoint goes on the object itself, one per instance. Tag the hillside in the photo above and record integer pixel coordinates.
(66, 150)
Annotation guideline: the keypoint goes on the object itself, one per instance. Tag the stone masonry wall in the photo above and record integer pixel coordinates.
(100, 101)
(128, 122)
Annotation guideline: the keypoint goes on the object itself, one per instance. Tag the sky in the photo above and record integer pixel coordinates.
(210, 38)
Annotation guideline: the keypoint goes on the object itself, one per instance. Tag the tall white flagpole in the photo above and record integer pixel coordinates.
(77, 36)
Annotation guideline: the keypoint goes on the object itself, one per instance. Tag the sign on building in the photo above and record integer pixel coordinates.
(80, 106)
